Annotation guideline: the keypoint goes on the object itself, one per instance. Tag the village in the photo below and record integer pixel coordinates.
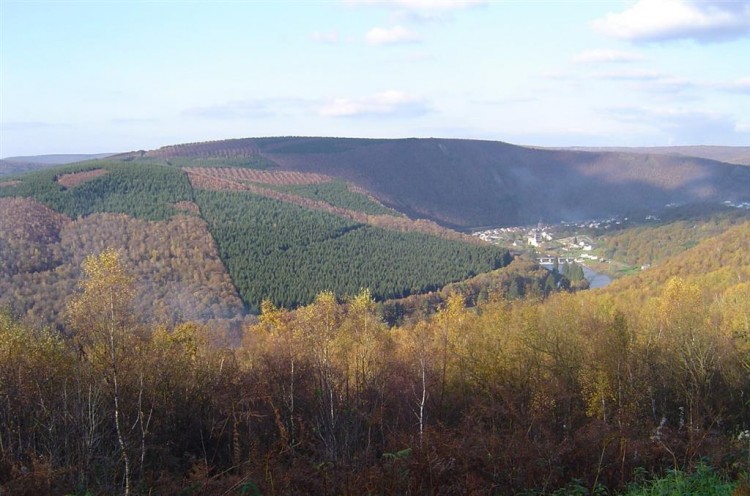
(572, 241)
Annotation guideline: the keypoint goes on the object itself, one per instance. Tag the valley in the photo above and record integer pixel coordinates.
(298, 298)
(374, 248)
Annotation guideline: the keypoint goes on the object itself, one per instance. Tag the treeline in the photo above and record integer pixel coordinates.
(522, 278)
(143, 191)
(575, 392)
(218, 149)
(288, 254)
(312, 146)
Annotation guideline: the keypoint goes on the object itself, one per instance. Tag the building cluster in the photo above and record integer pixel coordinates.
(745, 205)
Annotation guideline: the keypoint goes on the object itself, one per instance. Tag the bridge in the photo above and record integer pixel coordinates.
(551, 260)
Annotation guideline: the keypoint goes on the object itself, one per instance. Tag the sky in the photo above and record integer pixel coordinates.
(110, 76)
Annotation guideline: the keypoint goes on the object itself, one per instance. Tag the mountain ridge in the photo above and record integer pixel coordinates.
(463, 184)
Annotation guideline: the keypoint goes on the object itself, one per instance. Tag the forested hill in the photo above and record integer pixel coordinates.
(203, 241)
(468, 183)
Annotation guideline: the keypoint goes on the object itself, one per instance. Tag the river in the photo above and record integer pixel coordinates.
(596, 279)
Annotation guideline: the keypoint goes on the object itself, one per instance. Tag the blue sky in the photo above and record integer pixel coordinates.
(108, 76)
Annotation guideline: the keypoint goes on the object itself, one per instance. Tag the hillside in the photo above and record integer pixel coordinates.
(214, 242)
(176, 262)
(290, 217)
(739, 155)
(682, 228)
(465, 183)
(716, 262)
(18, 165)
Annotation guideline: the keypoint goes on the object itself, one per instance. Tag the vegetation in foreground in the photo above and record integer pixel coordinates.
(703, 481)
(581, 393)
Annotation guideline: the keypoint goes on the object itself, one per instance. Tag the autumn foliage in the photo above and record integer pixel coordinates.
(501, 398)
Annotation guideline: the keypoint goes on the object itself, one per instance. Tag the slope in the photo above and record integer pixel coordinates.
(465, 183)
(279, 235)
(717, 263)
(175, 263)
(288, 254)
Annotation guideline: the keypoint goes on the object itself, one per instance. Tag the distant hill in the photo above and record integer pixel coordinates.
(739, 155)
(18, 165)
(466, 183)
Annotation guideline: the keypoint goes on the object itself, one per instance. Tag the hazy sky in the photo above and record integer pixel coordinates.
(108, 76)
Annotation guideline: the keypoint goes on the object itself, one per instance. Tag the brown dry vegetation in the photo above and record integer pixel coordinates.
(76, 178)
(29, 237)
(27, 219)
(8, 183)
(257, 176)
(175, 261)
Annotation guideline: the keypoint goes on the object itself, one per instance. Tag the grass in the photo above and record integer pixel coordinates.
(703, 481)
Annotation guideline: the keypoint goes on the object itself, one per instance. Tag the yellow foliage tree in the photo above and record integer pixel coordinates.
(101, 314)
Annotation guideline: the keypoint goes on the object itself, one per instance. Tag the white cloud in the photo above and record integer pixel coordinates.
(605, 56)
(388, 103)
(389, 36)
(329, 37)
(663, 20)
